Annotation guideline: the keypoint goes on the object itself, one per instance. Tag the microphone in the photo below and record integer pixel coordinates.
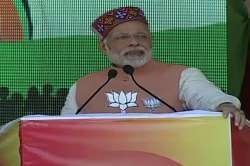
(130, 70)
(111, 74)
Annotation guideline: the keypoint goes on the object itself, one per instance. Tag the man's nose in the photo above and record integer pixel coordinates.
(133, 41)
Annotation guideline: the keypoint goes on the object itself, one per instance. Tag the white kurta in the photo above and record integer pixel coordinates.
(196, 92)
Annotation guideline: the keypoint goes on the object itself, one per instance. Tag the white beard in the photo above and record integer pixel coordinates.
(135, 58)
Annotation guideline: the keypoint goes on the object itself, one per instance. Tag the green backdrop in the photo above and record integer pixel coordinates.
(63, 48)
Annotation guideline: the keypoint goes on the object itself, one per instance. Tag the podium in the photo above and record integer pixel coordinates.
(191, 138)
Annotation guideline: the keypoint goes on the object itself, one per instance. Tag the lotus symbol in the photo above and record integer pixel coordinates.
(122, 100)
(152, 104)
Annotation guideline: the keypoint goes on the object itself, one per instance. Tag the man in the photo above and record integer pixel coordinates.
(126, 40)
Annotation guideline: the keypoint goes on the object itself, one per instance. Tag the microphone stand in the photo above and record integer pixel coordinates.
(111, 74)
(130, 70)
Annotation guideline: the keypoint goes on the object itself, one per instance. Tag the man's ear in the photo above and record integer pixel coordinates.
(103, 47)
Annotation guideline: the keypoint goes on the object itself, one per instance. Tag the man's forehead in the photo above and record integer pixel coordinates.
(130, 27)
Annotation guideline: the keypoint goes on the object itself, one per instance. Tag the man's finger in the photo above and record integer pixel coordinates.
(242, 120)
(237, 116)
(225, 113)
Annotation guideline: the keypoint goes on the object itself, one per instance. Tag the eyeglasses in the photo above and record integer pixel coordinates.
(140, 36)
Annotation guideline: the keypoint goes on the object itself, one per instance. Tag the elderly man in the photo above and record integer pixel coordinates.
(153, 86)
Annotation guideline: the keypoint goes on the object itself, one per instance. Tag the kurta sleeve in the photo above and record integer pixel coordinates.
(70, 107)
(196, 92)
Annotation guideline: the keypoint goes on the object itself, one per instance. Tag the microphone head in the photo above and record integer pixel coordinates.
(128, 69)
(112, 73)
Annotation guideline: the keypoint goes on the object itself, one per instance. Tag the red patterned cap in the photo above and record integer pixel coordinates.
(105, 23)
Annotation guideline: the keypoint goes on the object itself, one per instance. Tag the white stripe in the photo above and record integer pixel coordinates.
(185, 114)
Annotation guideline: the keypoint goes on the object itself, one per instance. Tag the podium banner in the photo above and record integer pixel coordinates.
(193, 139)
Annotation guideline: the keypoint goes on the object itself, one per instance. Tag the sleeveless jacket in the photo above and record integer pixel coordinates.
(121, 94)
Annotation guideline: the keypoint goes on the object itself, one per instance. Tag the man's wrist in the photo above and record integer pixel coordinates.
(226, 104)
